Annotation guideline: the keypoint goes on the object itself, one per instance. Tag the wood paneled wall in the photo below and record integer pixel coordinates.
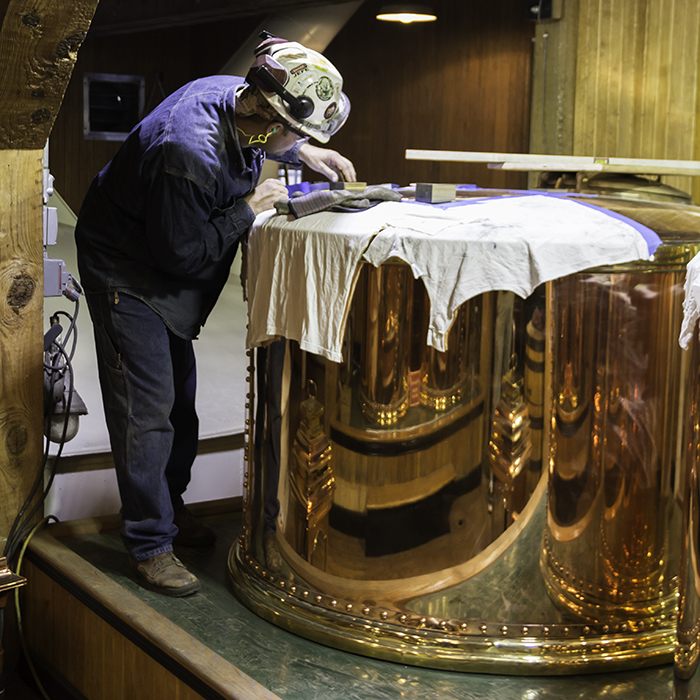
(179, 55)
(460, 83)
(628, 81)
(637, 77)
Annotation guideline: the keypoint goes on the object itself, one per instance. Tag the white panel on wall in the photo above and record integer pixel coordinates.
(90, 494)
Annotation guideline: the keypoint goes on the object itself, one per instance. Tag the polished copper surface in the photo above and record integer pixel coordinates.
(687, 656)
(384, 383)
(512, 505)
(610, 547)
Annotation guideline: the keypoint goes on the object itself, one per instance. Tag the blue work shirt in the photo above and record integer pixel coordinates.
(163, 220)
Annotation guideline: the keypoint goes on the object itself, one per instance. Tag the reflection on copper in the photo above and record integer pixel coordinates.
(312, 484)
(687, 652)
(585, 578)
(384, 387)
(606, 554)
(534, 381)
(446, 375)
(510, 448)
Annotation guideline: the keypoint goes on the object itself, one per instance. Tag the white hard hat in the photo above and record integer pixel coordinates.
(302, 86)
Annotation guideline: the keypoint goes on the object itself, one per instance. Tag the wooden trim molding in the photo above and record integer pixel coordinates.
(103, 460)
(117, 641)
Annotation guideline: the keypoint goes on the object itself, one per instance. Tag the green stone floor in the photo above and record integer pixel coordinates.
(298, 669)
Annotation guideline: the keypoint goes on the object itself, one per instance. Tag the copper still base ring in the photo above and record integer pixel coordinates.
(459, 645)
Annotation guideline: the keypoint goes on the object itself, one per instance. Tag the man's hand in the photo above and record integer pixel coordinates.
(327, 162)
(264, 196)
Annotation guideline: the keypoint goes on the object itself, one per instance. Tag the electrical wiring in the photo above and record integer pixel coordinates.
(19, 527)
(18, 609)
(59, 366)
(22, 522)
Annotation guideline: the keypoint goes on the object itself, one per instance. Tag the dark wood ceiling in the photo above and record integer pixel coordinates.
(128, 16)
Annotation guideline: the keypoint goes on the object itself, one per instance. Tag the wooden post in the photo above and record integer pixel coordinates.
(21, 323)
(39, 41)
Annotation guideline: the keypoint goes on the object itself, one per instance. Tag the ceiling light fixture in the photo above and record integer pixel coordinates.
(406, 14)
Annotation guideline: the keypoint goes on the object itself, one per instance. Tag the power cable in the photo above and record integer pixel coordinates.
(55, 370)
(57, 366)
(18, 610)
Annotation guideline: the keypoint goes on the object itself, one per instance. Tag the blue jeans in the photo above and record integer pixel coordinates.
(148, 379)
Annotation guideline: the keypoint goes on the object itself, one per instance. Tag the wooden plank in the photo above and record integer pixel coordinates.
(533, 161)
(586, 76)
(39, 42)
(594, 168)
(554, 79)
(631, 100)
(21, 321)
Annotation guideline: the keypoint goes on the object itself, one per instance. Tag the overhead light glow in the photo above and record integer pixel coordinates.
(406, 14)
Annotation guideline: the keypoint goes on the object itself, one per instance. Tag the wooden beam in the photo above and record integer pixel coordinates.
(127, 16)
(535, 162)
(21, 321)
(39, 44)
(39, 41)
(554, 84)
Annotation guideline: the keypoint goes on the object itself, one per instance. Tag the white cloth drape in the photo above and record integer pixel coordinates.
(301, 273)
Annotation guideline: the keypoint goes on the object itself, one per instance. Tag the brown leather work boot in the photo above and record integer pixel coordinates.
(165, 573)
(273, 558)
(191, 532)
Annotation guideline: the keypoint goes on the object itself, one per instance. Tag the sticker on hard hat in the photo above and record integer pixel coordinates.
(299, 69)
(330, 110)
(324, 89)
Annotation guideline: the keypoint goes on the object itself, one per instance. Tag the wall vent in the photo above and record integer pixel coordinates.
(112, 105)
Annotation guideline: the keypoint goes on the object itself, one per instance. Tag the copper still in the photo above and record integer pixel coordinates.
(687, 652)
(511, 505)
